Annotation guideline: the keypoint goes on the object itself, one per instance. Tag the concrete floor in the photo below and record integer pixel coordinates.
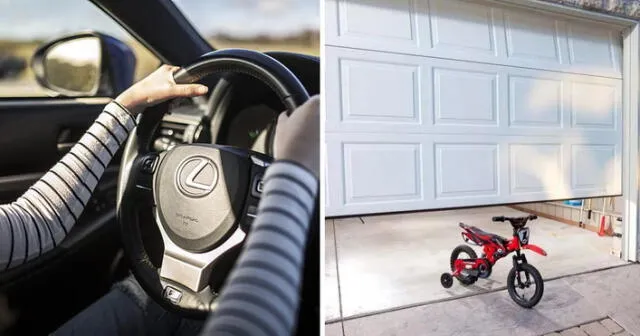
(603, 327)
(571, 301)
(380, 263)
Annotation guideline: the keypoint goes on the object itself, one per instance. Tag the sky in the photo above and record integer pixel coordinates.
(45, 19)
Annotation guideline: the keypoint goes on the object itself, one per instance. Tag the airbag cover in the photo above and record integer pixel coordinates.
(199, 195)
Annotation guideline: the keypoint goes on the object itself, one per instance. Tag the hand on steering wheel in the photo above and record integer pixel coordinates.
(156, 88)
(297, 136)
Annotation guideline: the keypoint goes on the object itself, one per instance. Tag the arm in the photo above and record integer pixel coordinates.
(261, 296)
(248, 306)
(39, 219)
(43, 216)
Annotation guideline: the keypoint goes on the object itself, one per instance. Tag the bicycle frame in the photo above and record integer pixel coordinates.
(522, 275)
(493, 251)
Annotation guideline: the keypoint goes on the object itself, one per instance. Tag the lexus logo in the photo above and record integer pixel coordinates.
(197, 176)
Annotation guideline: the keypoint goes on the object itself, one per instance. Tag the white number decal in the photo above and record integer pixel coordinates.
(524, 236)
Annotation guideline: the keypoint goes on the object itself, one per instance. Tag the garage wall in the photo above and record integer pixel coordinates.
(571, 213)
(436, 104)
(622, 8)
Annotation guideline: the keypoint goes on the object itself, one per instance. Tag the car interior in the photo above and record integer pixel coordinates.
(239, 111)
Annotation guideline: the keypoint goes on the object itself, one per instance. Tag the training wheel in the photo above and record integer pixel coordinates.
(446, 280)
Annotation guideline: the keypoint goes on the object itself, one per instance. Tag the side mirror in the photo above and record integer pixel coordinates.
(85, 64)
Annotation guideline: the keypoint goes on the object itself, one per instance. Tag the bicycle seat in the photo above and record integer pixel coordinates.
(484, 235)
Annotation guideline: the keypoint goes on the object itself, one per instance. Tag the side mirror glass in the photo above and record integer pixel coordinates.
(73, 66)
(84, 65)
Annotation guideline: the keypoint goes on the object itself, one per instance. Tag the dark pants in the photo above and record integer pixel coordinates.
(128, 310)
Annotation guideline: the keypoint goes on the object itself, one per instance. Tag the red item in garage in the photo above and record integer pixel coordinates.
(469, 268)
(601, 231)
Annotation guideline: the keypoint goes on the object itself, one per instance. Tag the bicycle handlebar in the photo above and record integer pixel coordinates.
(514, 219)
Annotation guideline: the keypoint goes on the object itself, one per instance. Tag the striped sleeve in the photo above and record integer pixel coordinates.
(42, 217)
(261, 295)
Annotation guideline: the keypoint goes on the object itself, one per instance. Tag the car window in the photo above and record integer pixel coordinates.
(263, 25)
(26, 24)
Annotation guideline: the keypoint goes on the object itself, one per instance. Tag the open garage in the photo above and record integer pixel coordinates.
(448, 111)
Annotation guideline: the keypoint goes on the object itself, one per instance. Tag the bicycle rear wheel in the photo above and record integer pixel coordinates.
(463, 252)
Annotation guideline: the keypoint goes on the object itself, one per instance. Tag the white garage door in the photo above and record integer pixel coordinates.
(443, 103)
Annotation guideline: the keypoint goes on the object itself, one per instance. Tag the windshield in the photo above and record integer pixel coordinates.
(263, 25)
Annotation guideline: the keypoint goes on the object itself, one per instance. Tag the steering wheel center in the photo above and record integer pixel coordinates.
(192, 179)
(197, 176)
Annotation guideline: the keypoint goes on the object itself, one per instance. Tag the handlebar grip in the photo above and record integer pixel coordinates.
(498, 219)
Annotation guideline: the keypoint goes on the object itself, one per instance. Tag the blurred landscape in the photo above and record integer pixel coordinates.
(19, 81)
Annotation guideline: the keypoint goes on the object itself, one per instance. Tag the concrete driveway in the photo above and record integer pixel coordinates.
(382, 265)
(599, 303)
(570, 303)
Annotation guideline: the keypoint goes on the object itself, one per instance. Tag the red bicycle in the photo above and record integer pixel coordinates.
(522, 277)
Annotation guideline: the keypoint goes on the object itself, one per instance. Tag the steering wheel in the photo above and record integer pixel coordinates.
(202, 197)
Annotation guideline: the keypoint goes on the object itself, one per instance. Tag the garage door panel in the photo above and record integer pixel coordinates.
(477, 31)
(535, 102)
(464, 169)
(398, 15)
(592, 47)
(463, 96)
(536, 167)
(379, 91)
(592, 167)
(382, 171)
(379, 170)
(594, 105)
(328, 191)
(462, 26)
(397, 24)
(389, 94)
(532, 37)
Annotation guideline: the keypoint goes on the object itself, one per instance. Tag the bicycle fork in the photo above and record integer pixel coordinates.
(519, 259)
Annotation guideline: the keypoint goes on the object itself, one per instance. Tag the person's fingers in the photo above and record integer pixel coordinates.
(280, 129)
(171, 70)
(189, 90)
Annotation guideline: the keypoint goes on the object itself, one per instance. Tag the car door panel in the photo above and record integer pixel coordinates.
(31, 129)
(34, 134)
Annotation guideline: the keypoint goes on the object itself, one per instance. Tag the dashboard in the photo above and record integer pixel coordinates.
(251, 128)
(241, 111)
